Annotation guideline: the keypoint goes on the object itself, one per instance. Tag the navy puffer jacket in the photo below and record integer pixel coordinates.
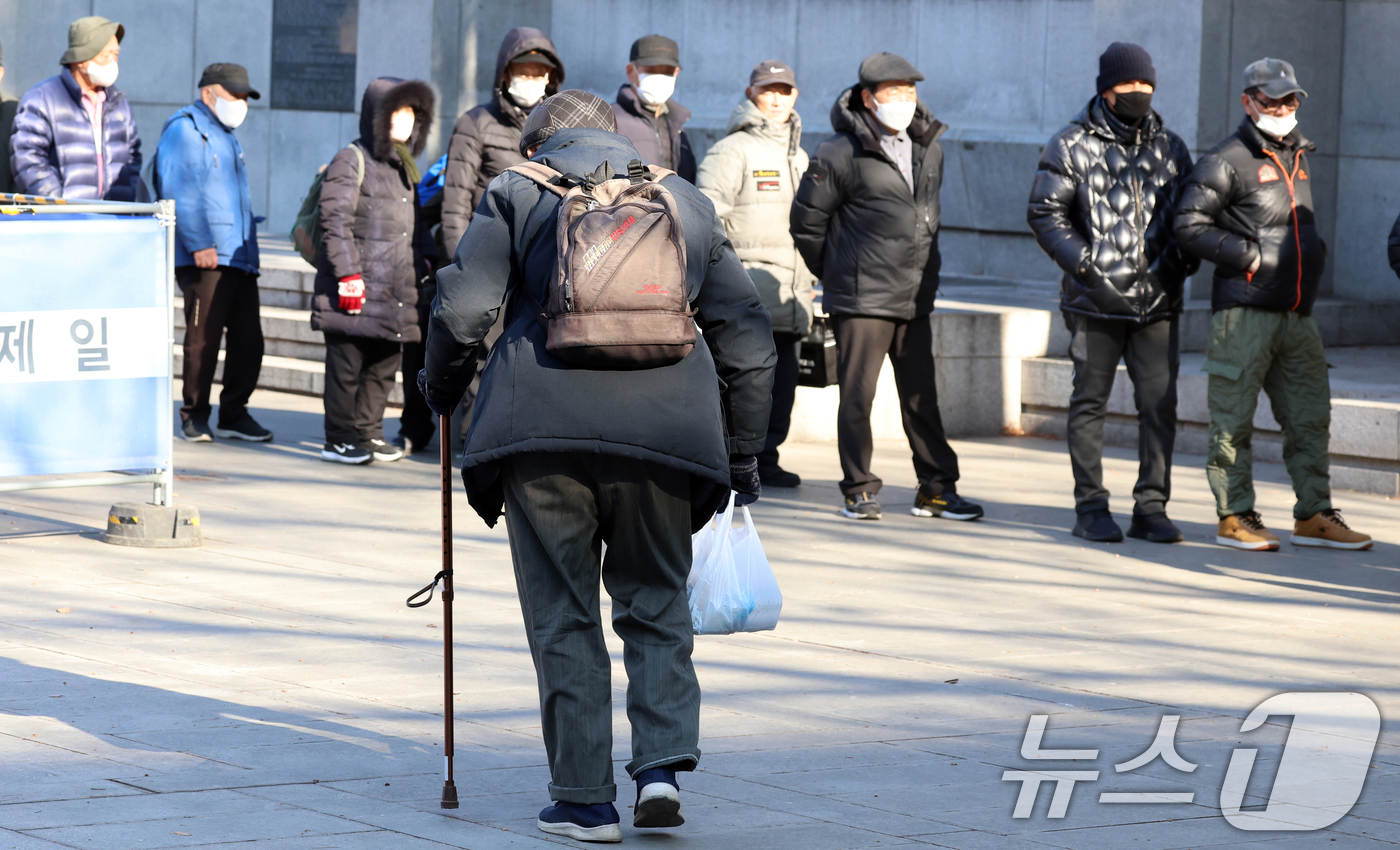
(53, 154)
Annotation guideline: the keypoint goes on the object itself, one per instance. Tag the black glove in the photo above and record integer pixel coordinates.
(743, 479)
(439, 402)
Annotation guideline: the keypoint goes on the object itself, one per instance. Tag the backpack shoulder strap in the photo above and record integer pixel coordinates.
(359, 164)
(541, 174)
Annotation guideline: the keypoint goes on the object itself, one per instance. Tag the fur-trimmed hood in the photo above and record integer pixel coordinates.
(384, 96)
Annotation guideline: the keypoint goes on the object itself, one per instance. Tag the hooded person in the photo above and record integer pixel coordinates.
(578, 457)
(74, 135)
(369, 264)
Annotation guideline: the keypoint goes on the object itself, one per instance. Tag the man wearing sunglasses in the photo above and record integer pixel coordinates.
(1248, 208)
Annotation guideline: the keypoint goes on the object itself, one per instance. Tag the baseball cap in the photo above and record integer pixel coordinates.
(655, 50)
(1273, 77)
(234, 78)
(772, 71)
(536, 56)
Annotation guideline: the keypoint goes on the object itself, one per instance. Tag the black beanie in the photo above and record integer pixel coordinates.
(1122, 62)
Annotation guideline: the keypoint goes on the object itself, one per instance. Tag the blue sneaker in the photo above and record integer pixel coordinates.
(598, 822)
(658, 799)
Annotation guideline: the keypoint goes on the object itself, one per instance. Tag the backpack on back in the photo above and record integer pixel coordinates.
(307, 230)
(618, 296)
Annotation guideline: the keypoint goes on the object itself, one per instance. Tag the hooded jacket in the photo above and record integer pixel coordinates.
(690, 415)
(52, 150)
(371, 228)
(643, 127)
(750, 176)
(199, 163)
(486, 139)
(1251, 197)
(873, 243)
(1101, 207)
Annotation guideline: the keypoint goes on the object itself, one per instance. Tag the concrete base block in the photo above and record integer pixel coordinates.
(149, 526)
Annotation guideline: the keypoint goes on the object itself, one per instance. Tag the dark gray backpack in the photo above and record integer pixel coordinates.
(618, 297)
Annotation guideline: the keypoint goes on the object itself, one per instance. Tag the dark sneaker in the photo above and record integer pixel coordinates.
(776, 476)
(582, 823)
(947, 506)
(384, 452)
(409, 445)
(1154, 528)
(244, 427)
(1098, 527)
(196, 431)
(861, 506)
(658, 800)
(345, 453)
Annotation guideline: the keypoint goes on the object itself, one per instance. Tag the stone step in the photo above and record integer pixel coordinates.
(1365, 431)
(291, 375)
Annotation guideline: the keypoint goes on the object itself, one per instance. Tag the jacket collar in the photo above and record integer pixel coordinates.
(627, 98)
(1098, 119)
(746, 118)
(580, 150)
(1259, 144)
(849, 115)
(75, 91)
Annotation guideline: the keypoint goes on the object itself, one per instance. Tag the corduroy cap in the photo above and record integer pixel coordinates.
(87, 37)
(1124, 62)
(771, 71)
(1273, 77)
(565, 110)
(234, 79)
(655, 50)
(887, 68)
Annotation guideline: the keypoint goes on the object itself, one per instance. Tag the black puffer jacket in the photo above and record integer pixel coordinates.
(873, 243)
(370, 228)
(486, 138)
(1393, 248)
(690, 415)
(1251, 197)
(1101, 207)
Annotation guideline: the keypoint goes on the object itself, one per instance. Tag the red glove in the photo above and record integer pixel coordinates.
(352, 294)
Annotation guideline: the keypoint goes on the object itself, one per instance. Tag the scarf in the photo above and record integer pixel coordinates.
(410, 168)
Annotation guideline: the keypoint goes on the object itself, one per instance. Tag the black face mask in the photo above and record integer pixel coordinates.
(1132, 106)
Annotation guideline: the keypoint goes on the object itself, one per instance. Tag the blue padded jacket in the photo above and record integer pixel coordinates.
(200, 164)
(52, 150)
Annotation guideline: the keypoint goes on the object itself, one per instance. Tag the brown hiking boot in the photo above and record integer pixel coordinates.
(1327, 528)
(1246, 531)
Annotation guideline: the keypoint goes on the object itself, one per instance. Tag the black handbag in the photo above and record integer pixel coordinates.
(816, 358)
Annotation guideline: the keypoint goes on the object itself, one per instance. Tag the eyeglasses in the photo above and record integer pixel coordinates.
(1268, 104)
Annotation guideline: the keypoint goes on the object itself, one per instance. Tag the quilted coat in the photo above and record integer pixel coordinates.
(1101, 207)
(371, 228)
(52, 150)
(1251, 197)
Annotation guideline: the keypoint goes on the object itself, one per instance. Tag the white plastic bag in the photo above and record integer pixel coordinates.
(731, 586)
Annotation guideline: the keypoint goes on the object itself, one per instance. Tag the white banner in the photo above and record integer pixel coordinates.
(84, 345)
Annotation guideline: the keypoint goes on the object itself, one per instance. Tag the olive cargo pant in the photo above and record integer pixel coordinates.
(1252, 349)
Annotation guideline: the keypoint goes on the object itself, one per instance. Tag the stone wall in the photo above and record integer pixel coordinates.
(1004, 74)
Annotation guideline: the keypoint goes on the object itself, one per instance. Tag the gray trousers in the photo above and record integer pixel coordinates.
(560, 509)
(1150, 353)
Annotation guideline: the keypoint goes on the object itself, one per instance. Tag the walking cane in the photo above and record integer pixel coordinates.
(449, 790)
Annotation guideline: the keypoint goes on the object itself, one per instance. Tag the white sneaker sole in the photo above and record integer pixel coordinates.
(335, 458)
(386, 458)
(1240, 544)
(854, 515)
(658, 807)
(1328, 544)
(239, 435)
(925, 512)
(202, 438)
(608, 833)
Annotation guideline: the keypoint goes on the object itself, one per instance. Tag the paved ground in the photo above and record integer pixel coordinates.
(272, 688)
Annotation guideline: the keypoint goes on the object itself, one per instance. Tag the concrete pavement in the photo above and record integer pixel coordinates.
(272, 688)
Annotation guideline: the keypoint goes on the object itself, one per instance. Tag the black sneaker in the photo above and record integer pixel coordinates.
(776, 476)
(345, 453)
(1154, 528)
(409, 445)
(947, 506)
(861, 506)
(1097, 527)
(658, 799)
(244, 427)
(196, 431)
(599, 823)
(384, 452)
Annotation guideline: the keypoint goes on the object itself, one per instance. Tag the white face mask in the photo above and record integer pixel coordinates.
(527, 92)
(897, 115)
(401, 127)
(230, 112)
(1277, 125)
(655, 89)
(102, 76)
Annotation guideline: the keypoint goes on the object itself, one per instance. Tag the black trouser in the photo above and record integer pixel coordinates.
(359, 377)
(861, 345)
(784, 393)
(560, 509)
(1150, 352)
(218, 300)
